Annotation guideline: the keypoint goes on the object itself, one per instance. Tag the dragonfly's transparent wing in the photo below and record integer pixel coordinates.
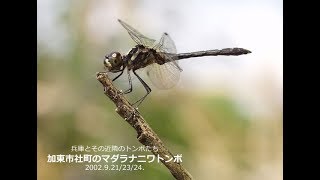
(166, 44)
(167, 47)
(163, 76)
(166, 75)
(136, 36)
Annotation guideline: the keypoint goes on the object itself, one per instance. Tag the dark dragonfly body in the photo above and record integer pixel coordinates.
(159, 59)
(215, 52)
(140, 57)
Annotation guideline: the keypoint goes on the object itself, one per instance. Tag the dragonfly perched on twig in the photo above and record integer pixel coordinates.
(158, 59)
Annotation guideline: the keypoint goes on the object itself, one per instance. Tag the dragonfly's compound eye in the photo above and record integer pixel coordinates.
(116, 57)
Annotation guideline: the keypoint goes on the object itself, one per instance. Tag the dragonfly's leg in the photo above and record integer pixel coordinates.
(121, 70)
(130, 83)
(145, 85)
(118, 75)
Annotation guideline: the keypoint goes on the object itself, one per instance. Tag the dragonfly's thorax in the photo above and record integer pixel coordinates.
(140, 57)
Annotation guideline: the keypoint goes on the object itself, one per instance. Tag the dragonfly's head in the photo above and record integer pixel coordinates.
(113, 62)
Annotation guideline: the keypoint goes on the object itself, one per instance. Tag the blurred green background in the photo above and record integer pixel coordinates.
(224, 116)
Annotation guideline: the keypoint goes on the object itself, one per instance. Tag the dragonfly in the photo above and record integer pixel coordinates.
(158, 59)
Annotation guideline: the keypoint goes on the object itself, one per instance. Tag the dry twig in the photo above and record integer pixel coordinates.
(146, 135)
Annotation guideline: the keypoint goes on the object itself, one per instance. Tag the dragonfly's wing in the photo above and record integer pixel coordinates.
(166, 75)
(136, 36)
(166, 44)
(163, 76)
(167, 47)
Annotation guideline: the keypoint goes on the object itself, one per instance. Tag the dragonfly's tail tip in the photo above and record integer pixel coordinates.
(247, 51)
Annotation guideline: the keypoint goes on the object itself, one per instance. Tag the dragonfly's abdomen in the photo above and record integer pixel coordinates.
(215, 52)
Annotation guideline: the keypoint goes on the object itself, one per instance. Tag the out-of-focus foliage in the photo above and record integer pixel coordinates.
(216, 136)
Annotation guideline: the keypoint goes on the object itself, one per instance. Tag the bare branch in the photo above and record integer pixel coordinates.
(146, 135)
